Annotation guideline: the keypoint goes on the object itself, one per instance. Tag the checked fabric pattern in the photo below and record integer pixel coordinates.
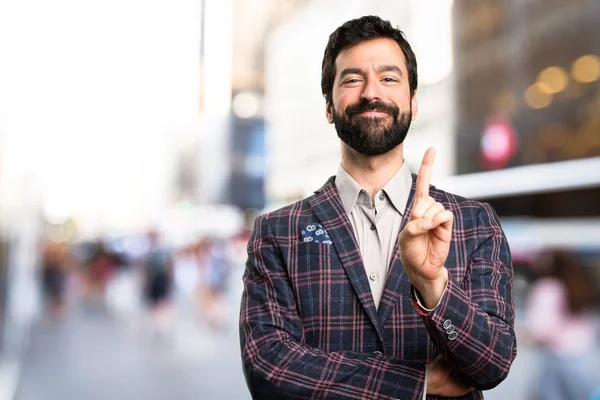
(309, 328)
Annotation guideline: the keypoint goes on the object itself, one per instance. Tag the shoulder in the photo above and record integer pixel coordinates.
(290, 211)
(455, 201)
(284, 220)
(468, 210)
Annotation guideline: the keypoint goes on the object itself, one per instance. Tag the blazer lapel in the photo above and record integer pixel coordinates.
(397, 284)
(327, 205)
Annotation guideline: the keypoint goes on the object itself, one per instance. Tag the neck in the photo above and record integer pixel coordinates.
(372, 172)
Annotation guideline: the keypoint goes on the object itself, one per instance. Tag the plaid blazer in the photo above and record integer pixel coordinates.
(309, 328)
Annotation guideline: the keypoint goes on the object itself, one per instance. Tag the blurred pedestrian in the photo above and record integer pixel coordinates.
(53, 276)
(187, 276)
(158, 286)
(560, 321)
(214, 280)
(100, 269)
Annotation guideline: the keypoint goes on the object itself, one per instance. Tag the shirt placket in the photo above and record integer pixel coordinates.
(372, 250)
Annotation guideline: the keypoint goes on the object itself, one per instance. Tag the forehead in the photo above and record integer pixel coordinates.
(371, 54)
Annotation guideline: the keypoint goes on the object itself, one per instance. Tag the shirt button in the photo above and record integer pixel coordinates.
(381, 197)
(373, 227)
(447, 324)
(378, 353)
(373, 276)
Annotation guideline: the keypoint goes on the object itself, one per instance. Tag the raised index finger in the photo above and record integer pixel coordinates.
(424, 176)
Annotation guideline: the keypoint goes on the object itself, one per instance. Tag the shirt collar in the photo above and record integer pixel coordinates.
(348, 189)
(397, 188)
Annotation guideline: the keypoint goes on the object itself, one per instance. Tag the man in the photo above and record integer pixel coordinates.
(378, 286)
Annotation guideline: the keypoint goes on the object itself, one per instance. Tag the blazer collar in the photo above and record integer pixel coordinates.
(327, 206)
(397, 285)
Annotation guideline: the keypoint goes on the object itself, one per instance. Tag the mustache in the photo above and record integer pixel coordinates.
(365, 105)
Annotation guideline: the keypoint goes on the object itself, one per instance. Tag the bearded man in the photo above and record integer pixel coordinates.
(378, 286)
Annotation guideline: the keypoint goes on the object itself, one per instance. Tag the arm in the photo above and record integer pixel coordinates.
(481, 311)
(276, 361)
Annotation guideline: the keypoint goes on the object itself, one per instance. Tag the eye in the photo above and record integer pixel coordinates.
(351, 81)
(390, 79)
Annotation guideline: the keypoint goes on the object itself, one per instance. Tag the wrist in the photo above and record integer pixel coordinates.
(436, 374)
(432, 381)
(431, 291)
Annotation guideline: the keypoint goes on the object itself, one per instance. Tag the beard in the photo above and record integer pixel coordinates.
(372, 136)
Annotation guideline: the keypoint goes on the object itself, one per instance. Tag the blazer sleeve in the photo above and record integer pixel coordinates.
(278, 364)
(473, 326)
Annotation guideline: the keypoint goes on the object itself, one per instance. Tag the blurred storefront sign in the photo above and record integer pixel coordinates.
(498, 143)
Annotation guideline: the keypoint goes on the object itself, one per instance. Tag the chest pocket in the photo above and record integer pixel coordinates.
(314, 256)
(322, 288)
(312, 266)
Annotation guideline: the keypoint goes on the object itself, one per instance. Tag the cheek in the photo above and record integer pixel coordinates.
(403, 102)
(343, 100)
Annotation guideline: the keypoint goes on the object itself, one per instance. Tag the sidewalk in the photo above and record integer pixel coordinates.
(92, 356)
(9, 377)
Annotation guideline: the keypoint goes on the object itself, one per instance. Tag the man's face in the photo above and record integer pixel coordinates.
(372, 108)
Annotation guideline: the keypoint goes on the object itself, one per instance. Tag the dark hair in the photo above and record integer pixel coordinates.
(360, 30)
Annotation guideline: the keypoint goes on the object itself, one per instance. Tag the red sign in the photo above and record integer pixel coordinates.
(498, 143)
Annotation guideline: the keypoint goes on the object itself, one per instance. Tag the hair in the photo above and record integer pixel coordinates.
(354, 32)
(567, 267)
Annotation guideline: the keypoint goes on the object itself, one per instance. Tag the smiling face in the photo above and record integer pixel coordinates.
(371, 103)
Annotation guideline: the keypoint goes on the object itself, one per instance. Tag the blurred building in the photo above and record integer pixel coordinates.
(20, 229)
(94, 98)
(229, 166)
(530, 69)
(528, 125)
(246, 181)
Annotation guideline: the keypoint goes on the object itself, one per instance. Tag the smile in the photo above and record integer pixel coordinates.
(373, 113)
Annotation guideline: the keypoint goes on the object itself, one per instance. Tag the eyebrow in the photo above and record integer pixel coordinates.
(389, 68)
(381, 68)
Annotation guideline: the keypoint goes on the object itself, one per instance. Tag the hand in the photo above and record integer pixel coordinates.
(424, 242)
(441, 381)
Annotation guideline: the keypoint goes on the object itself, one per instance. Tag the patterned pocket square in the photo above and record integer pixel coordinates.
(315, 233)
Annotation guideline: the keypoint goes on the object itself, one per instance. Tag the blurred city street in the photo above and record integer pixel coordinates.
(91, 356)
(140, 142)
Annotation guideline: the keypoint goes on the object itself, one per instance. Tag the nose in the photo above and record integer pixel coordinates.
(372, 90)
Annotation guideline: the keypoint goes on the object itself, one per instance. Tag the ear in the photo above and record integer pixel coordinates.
(414, 106)
(329, 113)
